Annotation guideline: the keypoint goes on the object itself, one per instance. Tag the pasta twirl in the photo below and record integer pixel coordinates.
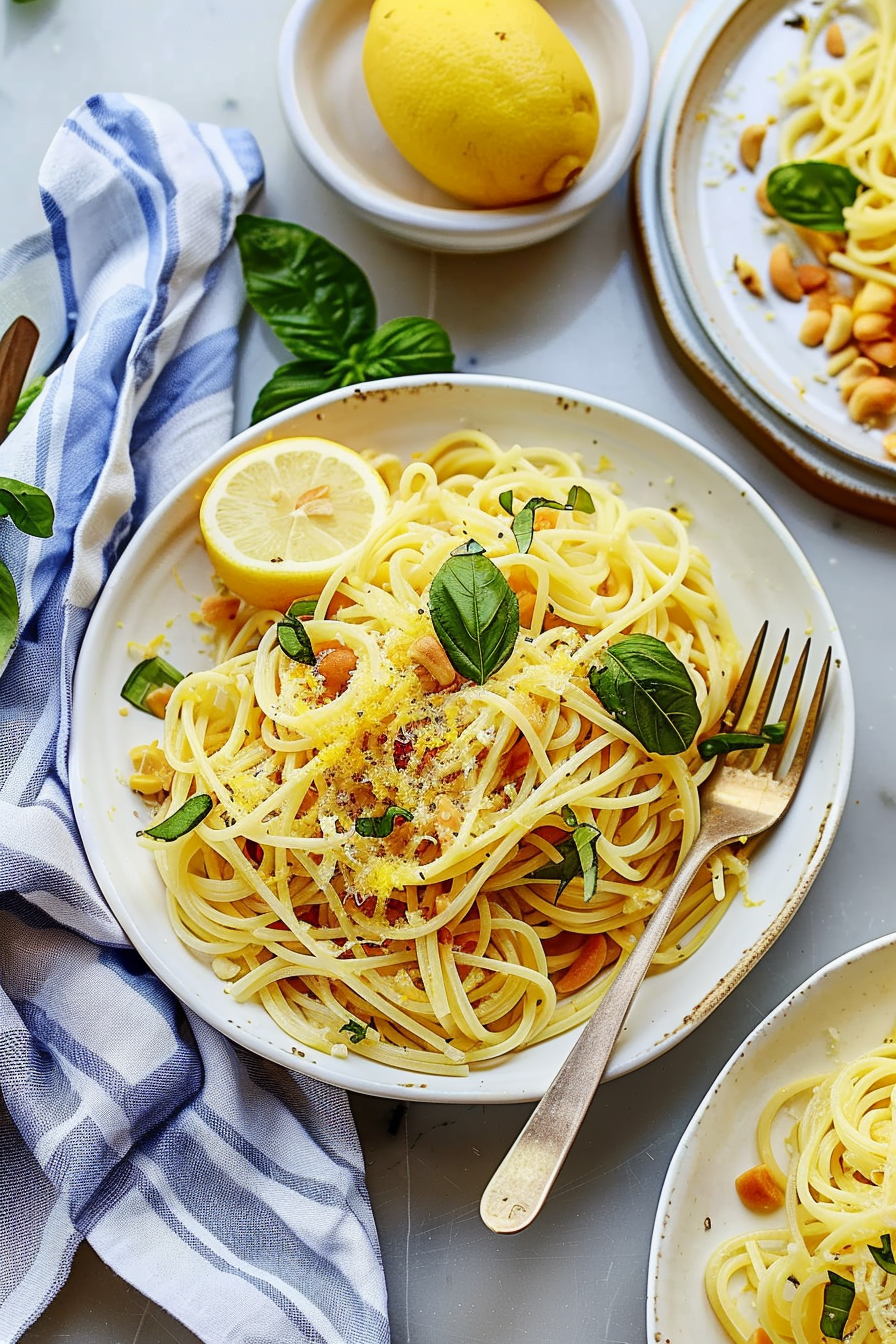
(430, 948)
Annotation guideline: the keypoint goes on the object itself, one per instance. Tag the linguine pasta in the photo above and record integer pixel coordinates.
(431, 948)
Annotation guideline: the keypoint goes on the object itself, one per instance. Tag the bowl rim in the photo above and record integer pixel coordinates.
(464, 221)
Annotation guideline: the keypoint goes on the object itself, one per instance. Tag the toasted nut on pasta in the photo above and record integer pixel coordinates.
(335, 663)
(872, 326)
(875, 297)
(428, 652)
(821, 301)
(874, 399)
(748, 276)
(751, 145)
(843, 358)
(882, 352)
(833, 41)
(763, 201)
(782, 273)
(839, 332)
(812, 278)
(218, 609)
(819, 243)
(815, 324)
(758, 1189)
(858, 371)
(890, 444)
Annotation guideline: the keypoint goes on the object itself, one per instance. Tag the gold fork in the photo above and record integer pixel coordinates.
(743, 796)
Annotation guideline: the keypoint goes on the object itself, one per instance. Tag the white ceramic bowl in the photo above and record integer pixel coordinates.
(335, 127)
(759, 571)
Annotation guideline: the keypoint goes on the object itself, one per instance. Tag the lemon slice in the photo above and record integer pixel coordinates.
(280, 518)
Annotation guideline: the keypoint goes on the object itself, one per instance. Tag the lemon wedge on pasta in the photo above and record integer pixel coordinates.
(279, 519)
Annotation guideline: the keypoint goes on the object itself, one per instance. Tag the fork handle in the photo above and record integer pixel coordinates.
(523, 1181)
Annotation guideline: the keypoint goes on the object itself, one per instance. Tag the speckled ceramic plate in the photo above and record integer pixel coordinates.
(843, 1010)
(759, 570)
(732, 80)
(853, 480)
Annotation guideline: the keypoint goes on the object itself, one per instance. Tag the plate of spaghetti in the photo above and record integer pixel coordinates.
(400, 857)
(779, 205)
(776, 1218)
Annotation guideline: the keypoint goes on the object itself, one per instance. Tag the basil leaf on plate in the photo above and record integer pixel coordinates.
(188, 816)
(355, 1030)
(303, 606)
(293, 638)
(838, 1299)
(475, 613)
(813, 193)
(523, 525)
(883, 1254)
(649, 691)
(579, 859)
(383, 825)
(9, 611)
(292, 383)
(31, 393)
(147, 676)
(29, 507)
(405, 345)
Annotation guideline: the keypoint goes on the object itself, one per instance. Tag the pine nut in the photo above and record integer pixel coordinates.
(875, 297)
(834, 44)
(871, 326)
(874, 399)
(843, 358)
(859, 371)
(783, 275)
(820, 301)
(748, 276)
(751, 145)
(763, 201)
(840, 330)
(882, 352)
(815, 324)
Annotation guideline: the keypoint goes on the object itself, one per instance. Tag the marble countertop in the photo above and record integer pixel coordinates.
(576, 310)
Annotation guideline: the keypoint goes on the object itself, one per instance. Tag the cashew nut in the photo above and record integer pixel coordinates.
(428, 652)
(875, 399)
(858, 371)
(871, 326)
(833, 41)
(875, 297)
(763, 201)
(335, 663)
(882, 352)
(751, 145)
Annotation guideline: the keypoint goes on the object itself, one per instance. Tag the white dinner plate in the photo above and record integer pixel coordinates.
(730, 81)
(155, 590)
(842, 1011)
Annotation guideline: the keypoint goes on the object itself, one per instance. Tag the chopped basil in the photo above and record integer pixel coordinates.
(148, 676)
(569, 816)
(813, 193)
(305, 606)
(523, 525)
(649, 691)
(475, 613)
(193, 811)
(383, 825)
(355, 1031)
(883, 1254)
(838, 1299)
(293, 637)
(579, 860)
(721, 743)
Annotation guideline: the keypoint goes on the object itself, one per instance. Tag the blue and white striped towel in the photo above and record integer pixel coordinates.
(227, 1190)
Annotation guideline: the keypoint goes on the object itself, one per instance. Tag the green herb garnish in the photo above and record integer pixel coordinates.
(305, 606)
(321, 306)
(721, 743)
(292, 635)
(475, 613)
(649, 691)
(148, 676)
(838, 1299)
(813, 193)
(569, 816)
(30, 393)
(579, 860)
(523, 525)
(29, 509)
(193, 811)
(883, 1254)
(355, 1031)
(380, 827)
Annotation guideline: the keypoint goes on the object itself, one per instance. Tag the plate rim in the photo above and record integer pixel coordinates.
(314, 1063)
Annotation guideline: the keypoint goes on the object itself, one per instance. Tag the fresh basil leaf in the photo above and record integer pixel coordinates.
(475, 614)
(193, 811)
(149, 676)
(29, 507)
(383, 825)
(471, 547)
(838, 1299)
(813, 194)
(579, 498)
(569, 816)
(32, 391)
(649, 691)
(721, 743)
(9, 611)
(523, 525)
(405, 345)
(883, 1254)
(505, 499)
(305, 606)
(313, 296)
(579, 859)
(293, 639)
(292, 383)
(356, 1032)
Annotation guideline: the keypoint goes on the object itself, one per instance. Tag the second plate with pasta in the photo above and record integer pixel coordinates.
(151, 604)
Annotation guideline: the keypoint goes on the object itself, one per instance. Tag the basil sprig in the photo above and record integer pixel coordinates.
(29, 509)
(147, 676)
(883, 1254)
(383, 825)
(193, 811)
(356, 1031)
(579, 859)
(29, 395)
(838, 1299)
(321, 306)
(721, 743)
(813, 193)
(475, 612)
(523, 525)
(291, 634)
(648, 689)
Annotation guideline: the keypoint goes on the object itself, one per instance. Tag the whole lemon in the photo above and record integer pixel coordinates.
(486, 98)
